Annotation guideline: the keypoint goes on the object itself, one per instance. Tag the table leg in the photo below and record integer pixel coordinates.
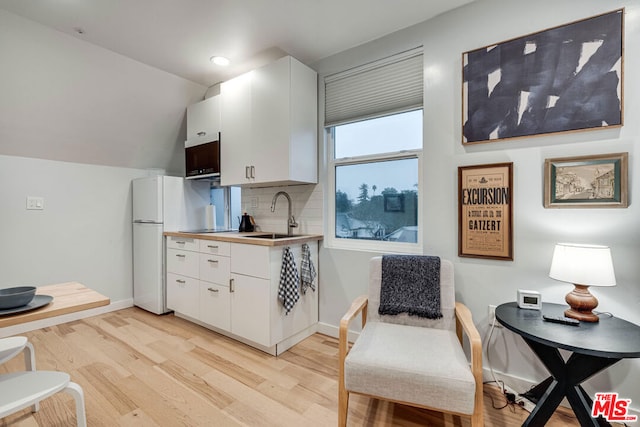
(546, 406)
(566, 382)
(579, 368)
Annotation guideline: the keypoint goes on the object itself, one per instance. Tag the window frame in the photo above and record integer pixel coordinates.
(362, 244)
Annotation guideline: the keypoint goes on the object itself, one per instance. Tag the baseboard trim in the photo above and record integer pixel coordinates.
(57, 320)
(334, 331)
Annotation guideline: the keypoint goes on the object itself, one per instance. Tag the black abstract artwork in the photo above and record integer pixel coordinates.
(562, 79)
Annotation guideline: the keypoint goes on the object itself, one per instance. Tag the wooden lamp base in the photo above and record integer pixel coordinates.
(582, 302)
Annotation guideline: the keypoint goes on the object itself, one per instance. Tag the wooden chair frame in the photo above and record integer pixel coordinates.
(464, 327)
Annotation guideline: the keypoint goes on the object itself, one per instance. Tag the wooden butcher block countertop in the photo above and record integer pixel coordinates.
(67, 298)
(245, 237)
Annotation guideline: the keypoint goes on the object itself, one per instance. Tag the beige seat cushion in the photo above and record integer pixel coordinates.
(411, 364)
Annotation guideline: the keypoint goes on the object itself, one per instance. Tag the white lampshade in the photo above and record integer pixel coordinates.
(589, 265)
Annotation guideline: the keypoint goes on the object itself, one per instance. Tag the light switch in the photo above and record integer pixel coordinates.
(35, 203)
(254, 202)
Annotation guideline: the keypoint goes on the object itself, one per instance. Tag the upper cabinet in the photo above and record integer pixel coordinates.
(203, 121)
(269, 126)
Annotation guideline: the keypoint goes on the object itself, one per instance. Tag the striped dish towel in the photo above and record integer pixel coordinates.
(307, 270)
(289, 290)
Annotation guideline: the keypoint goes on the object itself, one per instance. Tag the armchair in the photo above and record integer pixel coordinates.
(412, 360)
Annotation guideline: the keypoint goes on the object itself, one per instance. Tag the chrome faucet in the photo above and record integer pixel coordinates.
(291, 220)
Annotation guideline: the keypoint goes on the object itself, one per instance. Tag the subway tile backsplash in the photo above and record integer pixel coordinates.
(307, 208)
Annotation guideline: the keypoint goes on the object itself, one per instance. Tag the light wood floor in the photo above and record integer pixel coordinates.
(139, 369)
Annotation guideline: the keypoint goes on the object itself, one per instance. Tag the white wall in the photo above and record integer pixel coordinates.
(78, 106)
(65, 99)
(83, 234)
(343, 274)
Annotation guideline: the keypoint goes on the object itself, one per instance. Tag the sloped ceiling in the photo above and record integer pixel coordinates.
(107, 81)
(180, 36)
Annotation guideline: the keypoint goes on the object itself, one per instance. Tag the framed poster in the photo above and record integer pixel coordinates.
(586, 182)
(485, 211)
(567, 78)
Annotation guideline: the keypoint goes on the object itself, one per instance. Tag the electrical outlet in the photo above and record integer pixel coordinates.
(253, 202)
(492, 316)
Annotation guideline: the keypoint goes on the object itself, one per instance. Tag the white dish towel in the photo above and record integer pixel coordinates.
(289, 290)
(307, 270)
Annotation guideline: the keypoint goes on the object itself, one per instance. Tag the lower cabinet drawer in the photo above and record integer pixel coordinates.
(214, 305)
(215, 269)
(251, 260)
(215, 247)
(184, 263)
(182, 243)
(183, 294)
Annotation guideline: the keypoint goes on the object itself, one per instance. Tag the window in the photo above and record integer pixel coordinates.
(376, 178)
(373, 124)
(228, 206)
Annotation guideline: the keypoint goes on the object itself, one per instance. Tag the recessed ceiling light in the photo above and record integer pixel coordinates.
(220, 60)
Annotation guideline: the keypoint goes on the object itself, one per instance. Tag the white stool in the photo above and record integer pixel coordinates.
(21, 389)
(11, 346)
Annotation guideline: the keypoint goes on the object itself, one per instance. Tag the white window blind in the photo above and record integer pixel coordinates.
(382, 87)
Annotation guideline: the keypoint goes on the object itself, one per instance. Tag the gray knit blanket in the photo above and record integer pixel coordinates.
(410, 284)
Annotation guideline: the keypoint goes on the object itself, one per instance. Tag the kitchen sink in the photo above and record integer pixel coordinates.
(272, 236)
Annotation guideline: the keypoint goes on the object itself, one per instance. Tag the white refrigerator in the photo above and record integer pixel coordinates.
(161, 203)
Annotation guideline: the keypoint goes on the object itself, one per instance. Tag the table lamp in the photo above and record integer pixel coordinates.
(584, 266)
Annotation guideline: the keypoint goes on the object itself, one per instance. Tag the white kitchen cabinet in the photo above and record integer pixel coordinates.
(252, 260)
(232, 288)
(214, 304)
(182, 294)
(214, 247)
(198, 274)
(184, 263)
(269, 126)
(214, 277)
(235, 160)
(255, 307)
(250, 308)
(214, 268)
(182, 283)
(203, 121)
(183, 243)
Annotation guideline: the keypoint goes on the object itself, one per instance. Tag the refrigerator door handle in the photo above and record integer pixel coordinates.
(145, 221)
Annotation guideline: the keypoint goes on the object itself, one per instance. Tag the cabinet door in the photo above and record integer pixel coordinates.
(270, 125)
(215, 305)
(236, 139)
(250, 308)
(183, 294)
(203, 121)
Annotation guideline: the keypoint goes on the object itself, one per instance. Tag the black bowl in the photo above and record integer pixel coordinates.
(16, 297)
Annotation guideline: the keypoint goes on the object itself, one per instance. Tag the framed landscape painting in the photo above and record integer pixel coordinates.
(567, 78)
(586, 182)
